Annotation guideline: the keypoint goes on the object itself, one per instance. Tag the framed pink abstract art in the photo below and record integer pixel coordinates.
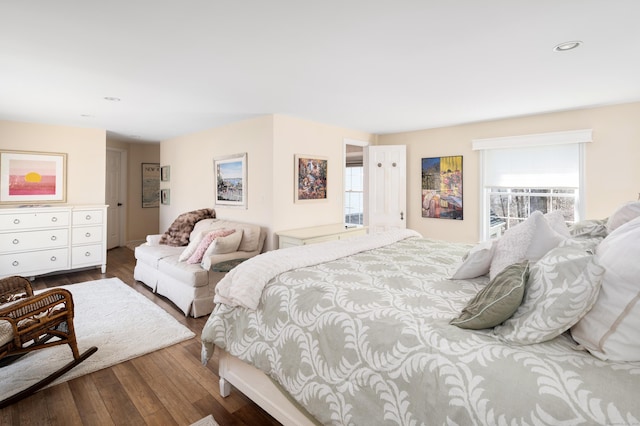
(32, 177)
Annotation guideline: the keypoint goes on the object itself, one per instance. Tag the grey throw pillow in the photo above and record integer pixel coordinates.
(495, 303)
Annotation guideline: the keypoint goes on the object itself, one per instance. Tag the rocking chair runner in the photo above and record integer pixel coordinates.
(31, 322)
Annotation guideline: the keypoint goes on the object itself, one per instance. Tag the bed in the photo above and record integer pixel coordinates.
(364, 331)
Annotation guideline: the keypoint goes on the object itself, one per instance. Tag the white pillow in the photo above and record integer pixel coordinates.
(623, 214)
(512, 246)
(545, 238)
(192, 246)
(557, 223)
(611, 330)
(562, 287)
(222, 245)
(477, 262)
(529, 240)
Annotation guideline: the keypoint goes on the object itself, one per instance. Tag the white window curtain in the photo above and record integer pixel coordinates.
(545, 160)
(548, 166)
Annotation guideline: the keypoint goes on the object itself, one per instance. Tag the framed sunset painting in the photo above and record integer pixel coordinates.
(32, 177)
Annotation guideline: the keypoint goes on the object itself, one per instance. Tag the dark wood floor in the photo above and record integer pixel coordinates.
(166, 387)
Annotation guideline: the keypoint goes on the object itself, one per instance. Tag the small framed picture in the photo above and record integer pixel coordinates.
(230, 185)
(165, 173)
(310, 178)
(165, 196)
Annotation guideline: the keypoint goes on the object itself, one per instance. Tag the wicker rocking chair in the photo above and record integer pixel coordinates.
(31, 322)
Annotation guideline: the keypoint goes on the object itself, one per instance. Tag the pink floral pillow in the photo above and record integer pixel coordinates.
(196, 257)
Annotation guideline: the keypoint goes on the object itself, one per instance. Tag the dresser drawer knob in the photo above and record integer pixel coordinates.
(53, 238)
(54, 219)
(88, 234)
(88, 217)
(53, 258)
(87, 253)
(16, 221)
(15, 263)
(16, 241)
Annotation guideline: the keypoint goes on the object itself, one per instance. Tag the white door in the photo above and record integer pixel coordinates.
(385, 187)
(112, 198)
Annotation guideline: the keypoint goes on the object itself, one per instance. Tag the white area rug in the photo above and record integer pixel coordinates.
(207, 421)
(110, 315)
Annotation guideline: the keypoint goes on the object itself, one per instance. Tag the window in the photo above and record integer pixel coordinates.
(354, 195)
(510, 206)
(523, 174)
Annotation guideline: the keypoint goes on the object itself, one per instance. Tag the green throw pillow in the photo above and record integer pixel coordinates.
(495, 303)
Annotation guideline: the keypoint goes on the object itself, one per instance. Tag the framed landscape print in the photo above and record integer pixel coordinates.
(150, 185)
(442, 187)
(230, 185)
(32, 177)
(310, 178)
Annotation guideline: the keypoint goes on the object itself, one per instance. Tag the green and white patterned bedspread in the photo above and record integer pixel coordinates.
(365, 339)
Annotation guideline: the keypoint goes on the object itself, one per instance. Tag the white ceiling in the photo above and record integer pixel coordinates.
(378, 66)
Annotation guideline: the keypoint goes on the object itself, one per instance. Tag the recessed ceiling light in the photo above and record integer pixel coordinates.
(111, 98)
(567, 45)
(86, 115)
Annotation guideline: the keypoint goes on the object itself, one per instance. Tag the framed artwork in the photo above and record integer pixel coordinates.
(32, 177)
(310, 178)
(165, 173)
(442, 187)
(165, 196)
(150, 185)
(230, 184)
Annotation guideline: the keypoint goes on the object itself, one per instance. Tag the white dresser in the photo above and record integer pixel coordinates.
(40, 240)
(317, 234)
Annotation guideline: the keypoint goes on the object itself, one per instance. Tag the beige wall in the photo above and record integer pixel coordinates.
(270, 143)
(85, 149)
(296, 136)
(192, 179)
(140, 222)
(612, 172)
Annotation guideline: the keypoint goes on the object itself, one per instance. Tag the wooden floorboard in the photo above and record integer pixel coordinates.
(166, 387)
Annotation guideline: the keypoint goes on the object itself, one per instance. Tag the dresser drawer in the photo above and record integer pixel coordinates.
(19, 221)
(33, 240)
(87, 217)
(86, 255)
(36, 262)
(87, 234)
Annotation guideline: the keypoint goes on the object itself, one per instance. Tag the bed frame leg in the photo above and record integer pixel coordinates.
(225, 388)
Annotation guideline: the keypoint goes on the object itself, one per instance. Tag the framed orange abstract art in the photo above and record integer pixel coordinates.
(32, 177)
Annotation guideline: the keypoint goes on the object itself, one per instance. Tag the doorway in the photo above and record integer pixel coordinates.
(115, 191)
(353, 200)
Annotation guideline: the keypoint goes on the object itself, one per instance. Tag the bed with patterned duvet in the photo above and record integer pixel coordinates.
(396, 329)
